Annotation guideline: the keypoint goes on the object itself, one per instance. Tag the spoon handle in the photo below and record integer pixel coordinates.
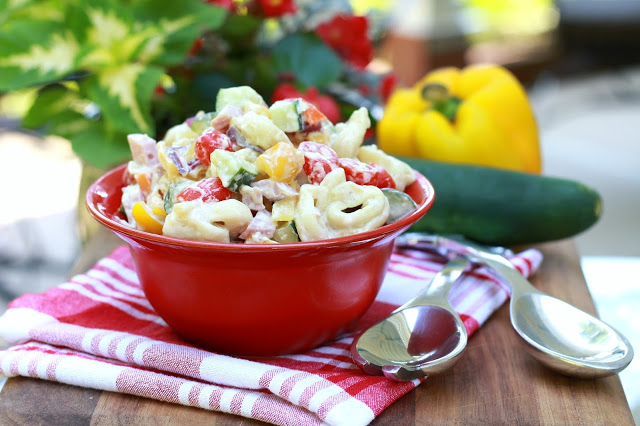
(494, 257)
(437, 291)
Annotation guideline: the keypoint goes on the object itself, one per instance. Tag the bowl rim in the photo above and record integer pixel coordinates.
(124, 230)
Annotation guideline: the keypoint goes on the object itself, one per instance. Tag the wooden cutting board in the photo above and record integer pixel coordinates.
(495, 382)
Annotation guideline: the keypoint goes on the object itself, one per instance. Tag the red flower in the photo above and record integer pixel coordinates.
(275, 8)
(387, 85)
(348, 37)
(324, 103)
(196, 46)
(285, 91)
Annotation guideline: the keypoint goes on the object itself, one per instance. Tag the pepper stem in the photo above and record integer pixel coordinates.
(441, 100)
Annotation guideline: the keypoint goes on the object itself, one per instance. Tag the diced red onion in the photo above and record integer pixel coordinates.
(177, 156)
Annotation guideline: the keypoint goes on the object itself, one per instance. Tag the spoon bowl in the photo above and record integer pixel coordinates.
(567, 339)
(424, 336)
(557, 334)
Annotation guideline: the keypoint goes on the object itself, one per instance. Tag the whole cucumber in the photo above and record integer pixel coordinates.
(502, 207)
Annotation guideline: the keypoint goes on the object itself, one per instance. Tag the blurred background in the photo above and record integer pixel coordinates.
(578, 59)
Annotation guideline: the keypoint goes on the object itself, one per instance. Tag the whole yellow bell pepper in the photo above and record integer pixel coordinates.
(476, 115)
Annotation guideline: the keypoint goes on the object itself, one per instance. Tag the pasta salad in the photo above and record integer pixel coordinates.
(259, 174)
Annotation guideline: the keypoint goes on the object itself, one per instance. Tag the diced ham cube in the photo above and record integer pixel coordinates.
(143, 149)
(261, 228)
(222, 121)
(252, 197)
(274, 191)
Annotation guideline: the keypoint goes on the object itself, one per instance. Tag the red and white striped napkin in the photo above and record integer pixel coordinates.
(98, 330)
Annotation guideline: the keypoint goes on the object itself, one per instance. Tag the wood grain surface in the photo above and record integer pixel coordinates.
(495, 383)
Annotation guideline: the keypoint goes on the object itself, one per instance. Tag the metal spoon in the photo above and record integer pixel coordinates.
(557, 334)
(424, 336)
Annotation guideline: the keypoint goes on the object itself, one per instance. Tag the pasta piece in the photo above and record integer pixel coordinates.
(337, 208)
(402, 174)
(352, 208)
(309, 221)
(351, 134)
(221, 221)
(131, 194)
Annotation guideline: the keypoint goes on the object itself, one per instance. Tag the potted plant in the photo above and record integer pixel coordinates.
(95, 71)
(99, 70)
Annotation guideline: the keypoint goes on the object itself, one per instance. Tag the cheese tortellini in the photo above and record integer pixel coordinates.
(220, 222)
(402, 174)
(336, 208)
(351, 134)
(254, 174)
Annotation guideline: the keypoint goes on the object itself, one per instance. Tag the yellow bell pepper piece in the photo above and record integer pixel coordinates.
(476, 115)
(282, 162)
(148, 220)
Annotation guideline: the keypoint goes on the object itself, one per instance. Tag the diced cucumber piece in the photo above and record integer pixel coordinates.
(284, 114)
(172, 193)
(233, 170)
(237, 96)
(286, 232)
(202, 122)
(400, 204)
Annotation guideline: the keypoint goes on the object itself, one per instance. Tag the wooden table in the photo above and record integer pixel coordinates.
(496, 382)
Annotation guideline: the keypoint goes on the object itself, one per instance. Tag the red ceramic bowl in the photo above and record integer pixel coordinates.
(253, 299)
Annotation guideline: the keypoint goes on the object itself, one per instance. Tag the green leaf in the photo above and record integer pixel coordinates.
(49, 106)
(35, 52)
(58, 111)
(157, 10)
(124, 95)
(100, 147)
(11, 10)
(308, 58)
(111, 34)
(265, 79)
(239, 26)
(90, 138)
(205, 87)
(175, 26)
